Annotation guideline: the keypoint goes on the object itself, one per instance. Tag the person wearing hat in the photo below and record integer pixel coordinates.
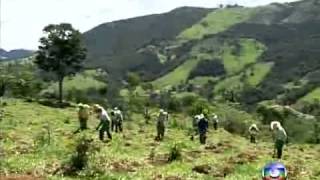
(117, 120)
(203, 128)
(104, 125)
(83, 116)
(215, 121)
(95, 107)
(279, 137)
(195, 121)
(253, 131)
(161, 121)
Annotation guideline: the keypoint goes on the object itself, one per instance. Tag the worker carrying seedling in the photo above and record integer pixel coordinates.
(83, 116)
(279, 136)
(161, 124)
(253, 131)
(203, 128)
(104, 125)
(117, 120)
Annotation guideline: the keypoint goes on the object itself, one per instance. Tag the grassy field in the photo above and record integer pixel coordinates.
(202, 80)
(216, 22)
(83, 82)
(313, 95)
(250, 51)
(258, 72)
(178, 75)
(27, 152)
(229, 83)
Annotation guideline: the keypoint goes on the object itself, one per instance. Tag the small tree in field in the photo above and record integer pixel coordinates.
(61, 52)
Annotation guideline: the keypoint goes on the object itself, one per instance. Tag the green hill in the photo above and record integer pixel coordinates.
(114, 45)
(217, 21)
(175, 47)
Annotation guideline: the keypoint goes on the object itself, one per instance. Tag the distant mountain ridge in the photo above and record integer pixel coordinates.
(15, 54)
(114, 45)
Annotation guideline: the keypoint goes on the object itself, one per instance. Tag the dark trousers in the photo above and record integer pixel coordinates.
(203, 138)
(83, 123)
(279, 147)
(119, 126)
(253, 139)
(116, 126)
(215, 126)
(160, 131)
(104, 130)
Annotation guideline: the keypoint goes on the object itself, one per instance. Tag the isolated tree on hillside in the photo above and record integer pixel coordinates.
(61, 52)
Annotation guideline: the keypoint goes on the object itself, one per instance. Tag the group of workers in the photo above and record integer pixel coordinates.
(200, 125)
(106, 124)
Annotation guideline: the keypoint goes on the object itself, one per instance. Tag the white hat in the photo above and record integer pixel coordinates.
(274, 124)
(86, 106)
(161, 111)
(115, 108)
(214, 115)
(254, 126)
(97, 106)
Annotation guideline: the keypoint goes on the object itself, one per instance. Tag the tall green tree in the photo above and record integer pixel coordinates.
(61, 52)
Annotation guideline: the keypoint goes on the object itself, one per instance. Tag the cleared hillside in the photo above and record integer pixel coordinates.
(38, 140)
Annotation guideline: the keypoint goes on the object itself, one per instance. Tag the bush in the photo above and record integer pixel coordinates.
(188, 100)
(199, 107)
(174, 105)
(79, 160)
(208, 68)
(175, 153)
(235, 126)
(300, 131)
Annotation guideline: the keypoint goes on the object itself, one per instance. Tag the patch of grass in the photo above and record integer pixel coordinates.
(178, 75)
(313, 95)
(250, 51)
(216, 22)
(258, 72)
(83, 82)
(229, 83)
(202, 80)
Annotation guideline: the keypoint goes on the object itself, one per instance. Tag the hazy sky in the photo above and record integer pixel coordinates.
(22, 21)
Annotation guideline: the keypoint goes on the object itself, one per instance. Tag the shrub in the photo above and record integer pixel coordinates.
(79, 160)
(174, 104)
(235, 126)
(175, 153)
(188, 100)
(208, 68)
(299, 130)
